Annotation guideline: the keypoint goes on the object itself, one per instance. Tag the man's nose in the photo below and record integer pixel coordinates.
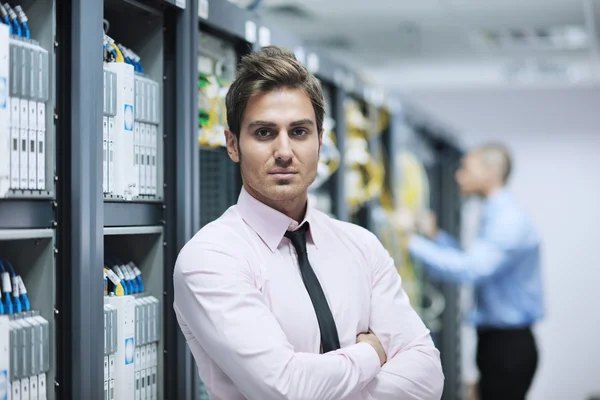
(283, 147)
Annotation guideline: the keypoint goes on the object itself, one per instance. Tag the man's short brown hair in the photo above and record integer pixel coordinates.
(270, 69)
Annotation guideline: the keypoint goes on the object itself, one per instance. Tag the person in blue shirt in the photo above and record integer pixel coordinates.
(503, 265)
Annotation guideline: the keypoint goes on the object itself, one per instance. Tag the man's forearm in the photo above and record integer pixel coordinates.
(414, 374)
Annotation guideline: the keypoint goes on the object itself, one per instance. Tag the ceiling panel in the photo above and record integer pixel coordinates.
(424, 32)
(359, 7)
(522, 111)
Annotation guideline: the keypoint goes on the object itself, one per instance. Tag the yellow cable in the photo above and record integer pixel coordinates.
(119, 290)
(120, 57)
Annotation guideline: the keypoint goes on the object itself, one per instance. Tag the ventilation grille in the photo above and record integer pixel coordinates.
(218, 184)
(289, 11)
(333, 42)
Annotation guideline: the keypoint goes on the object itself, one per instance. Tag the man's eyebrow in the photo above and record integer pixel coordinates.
(302, 122)
(261, 123)
(272, 124)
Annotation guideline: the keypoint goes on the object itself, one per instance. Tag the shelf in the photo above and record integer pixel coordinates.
(29, 194)
(20, 234)
(41, 21)
(227, 18)
(137, 199)
(119, 214)
(147, 41)
(26, 213)
(129, 230)
(33, 260)
(147, 252)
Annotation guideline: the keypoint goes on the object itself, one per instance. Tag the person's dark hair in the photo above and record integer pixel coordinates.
(497, 155)
(270, 69)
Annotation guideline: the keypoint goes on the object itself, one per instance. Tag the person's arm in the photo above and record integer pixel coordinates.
(445, 239)
(413, 370)
(490, 252)
(217, 300)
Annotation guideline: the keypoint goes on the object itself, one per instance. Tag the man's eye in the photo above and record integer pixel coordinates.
(300, 132)
(263, 133)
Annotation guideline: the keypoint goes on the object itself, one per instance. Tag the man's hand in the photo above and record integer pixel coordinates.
(371, 339)
(427, 224)
(405, 220)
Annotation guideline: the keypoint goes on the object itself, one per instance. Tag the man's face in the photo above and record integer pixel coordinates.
(472, 177)
(278, 147)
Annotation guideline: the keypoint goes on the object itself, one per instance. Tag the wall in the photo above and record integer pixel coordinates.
(557, 180)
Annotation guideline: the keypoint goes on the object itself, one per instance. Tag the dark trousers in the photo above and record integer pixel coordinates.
(507, 360)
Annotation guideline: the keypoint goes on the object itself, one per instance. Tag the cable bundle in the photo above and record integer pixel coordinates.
(122, 279)
(16, 19)
(212, 114)
(365, 174)
(14, 293)
(116, 52)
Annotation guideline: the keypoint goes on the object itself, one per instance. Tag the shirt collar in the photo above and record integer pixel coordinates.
(496, 199)
(269, 224)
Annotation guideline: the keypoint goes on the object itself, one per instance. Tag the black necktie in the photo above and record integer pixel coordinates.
(329, 335)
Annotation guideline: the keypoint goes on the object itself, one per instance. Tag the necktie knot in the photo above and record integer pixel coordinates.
(298, 238)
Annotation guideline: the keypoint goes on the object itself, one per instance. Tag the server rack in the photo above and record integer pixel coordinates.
(224, 33)
(28, 219)
(95, 225)
(445, 202)
(364, 214)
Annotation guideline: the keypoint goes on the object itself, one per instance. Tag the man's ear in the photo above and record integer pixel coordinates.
(321, 139)
(232, 146)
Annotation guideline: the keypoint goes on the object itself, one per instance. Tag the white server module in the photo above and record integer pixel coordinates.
(5, 163)
(5, 326)
(123, 370)
(125, 182)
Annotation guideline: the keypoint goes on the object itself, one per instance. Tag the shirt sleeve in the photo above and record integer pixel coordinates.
(445, 239)
(217, 301)
(497, 246)
(413, 370)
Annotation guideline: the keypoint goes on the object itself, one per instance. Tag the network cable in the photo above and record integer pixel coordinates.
(105, 283)
(15, 287)
(135, 278)
(132, 278)
(109, 45)
(117, 271)
(115, 285)
(5, 18)
(130, 284)
(129, 277)
(138, 275)
(124, 276)
(12, 16)
(23, 292)
(22, 18)
(6, 289)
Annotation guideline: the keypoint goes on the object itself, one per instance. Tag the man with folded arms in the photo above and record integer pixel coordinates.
(276, 299)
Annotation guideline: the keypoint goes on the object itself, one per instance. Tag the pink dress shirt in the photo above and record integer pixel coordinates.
(251, 327)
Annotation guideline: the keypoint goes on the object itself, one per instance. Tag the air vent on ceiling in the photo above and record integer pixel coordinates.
(409, 39)
(332, 42)
(553, 38)
(289, 11)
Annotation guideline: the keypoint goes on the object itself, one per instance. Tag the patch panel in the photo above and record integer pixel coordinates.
(132, 335)
(132, 109)
(24, 91)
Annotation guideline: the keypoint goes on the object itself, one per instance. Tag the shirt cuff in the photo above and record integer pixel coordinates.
(365, 356)
(417, 245)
